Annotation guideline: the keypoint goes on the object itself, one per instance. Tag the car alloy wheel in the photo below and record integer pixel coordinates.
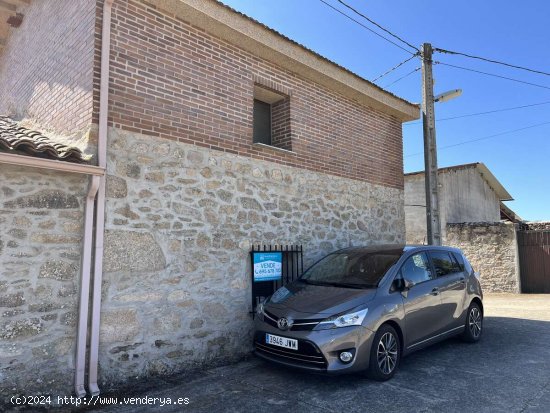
(387, 353)
(474, 322)
(473, 327)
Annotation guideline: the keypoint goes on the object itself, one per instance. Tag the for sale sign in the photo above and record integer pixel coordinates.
(268, 266)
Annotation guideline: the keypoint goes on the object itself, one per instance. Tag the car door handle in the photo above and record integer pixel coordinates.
(435, 291)
(462, 280)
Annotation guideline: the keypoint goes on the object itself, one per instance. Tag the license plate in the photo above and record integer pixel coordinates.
(281, 341)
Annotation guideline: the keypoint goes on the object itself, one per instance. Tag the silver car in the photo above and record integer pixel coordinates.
(362, 309)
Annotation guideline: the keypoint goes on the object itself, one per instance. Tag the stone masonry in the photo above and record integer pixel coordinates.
(491, 248)
(40, 250)
(180, 221)
(188, 192)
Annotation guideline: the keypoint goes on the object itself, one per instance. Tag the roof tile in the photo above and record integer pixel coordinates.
(29, 142)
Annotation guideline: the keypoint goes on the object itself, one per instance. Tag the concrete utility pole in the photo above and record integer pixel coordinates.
(430, 149)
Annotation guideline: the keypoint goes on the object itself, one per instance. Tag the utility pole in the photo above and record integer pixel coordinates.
(433, 223)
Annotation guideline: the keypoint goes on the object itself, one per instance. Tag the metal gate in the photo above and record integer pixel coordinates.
(534, 261)
(292, 267)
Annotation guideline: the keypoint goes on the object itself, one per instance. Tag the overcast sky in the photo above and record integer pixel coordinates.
(509, 31)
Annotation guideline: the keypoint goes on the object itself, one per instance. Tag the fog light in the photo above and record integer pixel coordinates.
(346, 356)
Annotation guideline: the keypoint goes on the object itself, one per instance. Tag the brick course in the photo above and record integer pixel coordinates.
(172, 80)
(46, 67)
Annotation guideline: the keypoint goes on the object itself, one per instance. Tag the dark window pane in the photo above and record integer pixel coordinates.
(443, 263)
(416, 269)
(460, 260)
(356, 269)
(262, 122)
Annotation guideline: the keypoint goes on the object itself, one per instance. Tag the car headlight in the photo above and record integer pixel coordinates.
(343, 320)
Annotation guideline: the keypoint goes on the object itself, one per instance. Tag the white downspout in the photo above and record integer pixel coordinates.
(100, 206)
(80, 359)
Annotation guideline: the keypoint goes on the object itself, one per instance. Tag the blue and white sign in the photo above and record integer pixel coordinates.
(268, 266)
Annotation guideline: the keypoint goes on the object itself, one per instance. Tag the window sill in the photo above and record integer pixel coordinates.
(264, 146)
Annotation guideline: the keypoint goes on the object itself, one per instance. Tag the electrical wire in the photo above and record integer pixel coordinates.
(402, 77)
(365, 27)
(483, 138)
(482, 113)
(436, 49)
(492, 74)
(377, 25)
(395, 67)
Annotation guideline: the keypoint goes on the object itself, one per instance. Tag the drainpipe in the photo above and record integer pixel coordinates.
(100, 206)
(80, 361)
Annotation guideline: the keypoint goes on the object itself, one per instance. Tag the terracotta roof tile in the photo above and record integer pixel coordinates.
(29, 142)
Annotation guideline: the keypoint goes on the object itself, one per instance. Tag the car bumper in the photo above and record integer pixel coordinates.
(318, 351)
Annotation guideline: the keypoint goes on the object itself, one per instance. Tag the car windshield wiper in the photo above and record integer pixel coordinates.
(306, 281)
(337, 284)
(351, 285)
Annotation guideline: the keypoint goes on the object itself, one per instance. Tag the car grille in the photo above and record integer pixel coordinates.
(308, 354)
(297, 325)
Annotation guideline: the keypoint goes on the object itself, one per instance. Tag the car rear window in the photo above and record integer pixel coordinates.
(444, 263)
(459, 259)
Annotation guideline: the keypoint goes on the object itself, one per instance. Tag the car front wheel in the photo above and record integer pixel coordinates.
(385, 354)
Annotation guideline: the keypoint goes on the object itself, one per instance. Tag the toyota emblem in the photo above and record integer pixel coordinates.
(283, 324)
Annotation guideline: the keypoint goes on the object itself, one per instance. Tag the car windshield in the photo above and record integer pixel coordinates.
(355, 269)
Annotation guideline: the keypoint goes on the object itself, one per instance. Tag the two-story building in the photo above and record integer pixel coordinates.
(146, 145)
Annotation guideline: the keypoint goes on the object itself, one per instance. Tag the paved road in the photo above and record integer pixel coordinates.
(507, 371)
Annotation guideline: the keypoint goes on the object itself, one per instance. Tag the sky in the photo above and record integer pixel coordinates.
(509, 31)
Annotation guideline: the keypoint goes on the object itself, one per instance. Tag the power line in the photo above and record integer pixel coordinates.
(492, 61)
(492, 74)
(483, 113)
(484, 137)
(365, 27)
(395, 67)
(402, 77)
(377, 25)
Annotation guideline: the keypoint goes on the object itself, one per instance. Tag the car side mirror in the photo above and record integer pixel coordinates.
(407, 285)
(398, 284)
(402, 284)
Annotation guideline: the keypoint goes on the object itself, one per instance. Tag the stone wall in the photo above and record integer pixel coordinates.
(536, 226)
(180, 221)
(491, 248)
(40, 248)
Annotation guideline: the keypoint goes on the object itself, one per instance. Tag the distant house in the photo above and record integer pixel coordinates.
(467, 193)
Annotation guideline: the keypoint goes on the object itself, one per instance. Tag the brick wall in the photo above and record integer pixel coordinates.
(171, 80)
(46, 67)
(280, 125)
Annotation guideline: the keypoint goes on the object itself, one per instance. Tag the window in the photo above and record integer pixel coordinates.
(271, 124)
(262, 122)
(444, 264)
(417, 269)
